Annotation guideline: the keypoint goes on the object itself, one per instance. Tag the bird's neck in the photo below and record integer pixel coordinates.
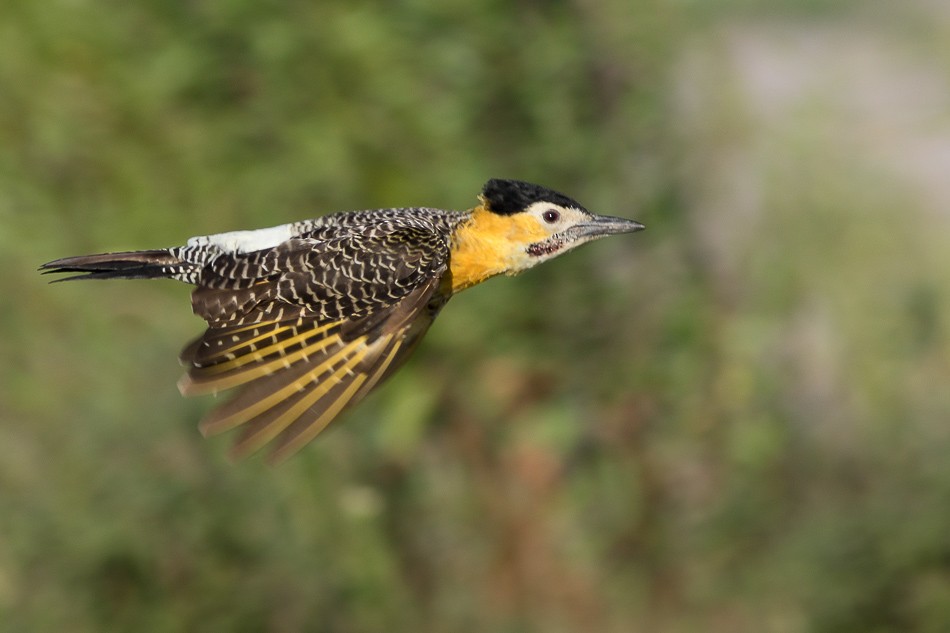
(486, 244)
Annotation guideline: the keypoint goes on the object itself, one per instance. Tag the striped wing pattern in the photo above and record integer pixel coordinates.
(308, 328)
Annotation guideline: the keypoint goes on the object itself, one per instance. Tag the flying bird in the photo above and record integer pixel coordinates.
(305, 319)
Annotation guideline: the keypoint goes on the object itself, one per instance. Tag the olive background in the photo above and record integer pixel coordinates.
(735, 421)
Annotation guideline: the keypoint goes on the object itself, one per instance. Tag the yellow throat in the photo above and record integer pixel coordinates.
(489, 244)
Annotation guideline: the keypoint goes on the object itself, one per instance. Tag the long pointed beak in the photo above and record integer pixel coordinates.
(601, 225)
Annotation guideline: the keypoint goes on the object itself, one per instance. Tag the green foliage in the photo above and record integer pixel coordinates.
(735, 421)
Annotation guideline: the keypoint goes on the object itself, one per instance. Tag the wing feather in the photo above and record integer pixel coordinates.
(304, 429)
(329, 321)
(314, 409)
(262, 395)
(290, 390)
(321, 395)
(255, 364)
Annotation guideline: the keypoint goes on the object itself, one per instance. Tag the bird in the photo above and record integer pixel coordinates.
(305, 319)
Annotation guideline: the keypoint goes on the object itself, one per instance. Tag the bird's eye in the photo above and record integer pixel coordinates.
(551, 216)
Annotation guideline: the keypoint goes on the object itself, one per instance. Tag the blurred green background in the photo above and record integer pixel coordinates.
(737, 421)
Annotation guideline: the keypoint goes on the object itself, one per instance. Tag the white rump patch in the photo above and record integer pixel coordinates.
(247, 241)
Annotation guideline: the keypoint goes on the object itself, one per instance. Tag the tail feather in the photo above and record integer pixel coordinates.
(155, 264)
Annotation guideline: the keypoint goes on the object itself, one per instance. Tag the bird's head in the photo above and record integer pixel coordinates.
(540, 223)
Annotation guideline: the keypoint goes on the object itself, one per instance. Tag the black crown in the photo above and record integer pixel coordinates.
(506, 197)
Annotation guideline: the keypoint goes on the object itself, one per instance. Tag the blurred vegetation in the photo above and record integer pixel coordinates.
(736, 421)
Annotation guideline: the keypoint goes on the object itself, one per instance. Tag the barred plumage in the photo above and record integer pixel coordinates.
(306, 318)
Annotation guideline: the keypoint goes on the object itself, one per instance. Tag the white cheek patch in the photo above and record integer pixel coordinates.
(247, 241)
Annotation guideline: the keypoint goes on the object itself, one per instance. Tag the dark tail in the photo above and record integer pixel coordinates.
(132, 265)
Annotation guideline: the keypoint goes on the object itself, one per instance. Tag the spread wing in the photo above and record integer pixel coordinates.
(308, 328)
